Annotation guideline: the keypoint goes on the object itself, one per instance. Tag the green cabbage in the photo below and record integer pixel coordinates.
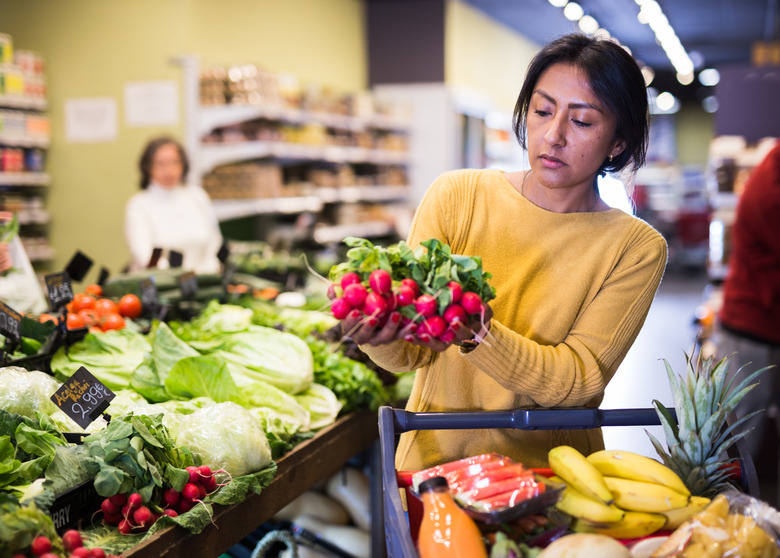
(148, 378)
(322, 404)
(24, 392)
(227, 437)
(278, 358)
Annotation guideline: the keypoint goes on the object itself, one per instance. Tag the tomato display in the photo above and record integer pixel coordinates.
(130, 306)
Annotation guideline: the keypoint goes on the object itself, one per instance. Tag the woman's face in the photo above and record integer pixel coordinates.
(167, 167)
(570, 132)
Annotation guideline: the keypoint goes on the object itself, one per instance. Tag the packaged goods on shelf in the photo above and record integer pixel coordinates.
(248, 180)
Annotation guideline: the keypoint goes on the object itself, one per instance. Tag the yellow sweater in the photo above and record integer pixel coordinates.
(572, 292)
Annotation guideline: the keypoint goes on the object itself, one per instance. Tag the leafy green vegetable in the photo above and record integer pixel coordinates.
(135, 453)
(226, 436)
(278, 358)
(24, 392)
(202, 376)
(111, 357)
(322, 404)
(19, 525)
(71, 466)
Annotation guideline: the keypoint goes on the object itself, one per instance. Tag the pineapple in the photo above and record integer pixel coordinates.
(699, 436)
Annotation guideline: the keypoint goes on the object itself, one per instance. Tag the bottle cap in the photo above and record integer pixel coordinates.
(435, 482)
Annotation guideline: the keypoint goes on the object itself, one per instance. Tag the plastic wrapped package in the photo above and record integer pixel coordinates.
(26, 391)
(732, 525)
(227, 437)
(493, 488)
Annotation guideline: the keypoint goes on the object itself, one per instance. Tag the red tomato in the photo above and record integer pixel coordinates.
(105, 306)
(90, 317)
(95, 329)
(94, 290)
(113, 321)
(47, 318)
(82, 301)
(130, 306)
(74, 321)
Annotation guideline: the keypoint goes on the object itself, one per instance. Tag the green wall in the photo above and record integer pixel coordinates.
(695, 130)
(93, 48)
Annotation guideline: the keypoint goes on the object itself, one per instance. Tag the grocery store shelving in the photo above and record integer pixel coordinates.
(24, 179)
(367, 229)
(23, 102)
(306, 465)
(24, 141)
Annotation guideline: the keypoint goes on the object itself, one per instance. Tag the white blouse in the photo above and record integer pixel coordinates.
(179, 218)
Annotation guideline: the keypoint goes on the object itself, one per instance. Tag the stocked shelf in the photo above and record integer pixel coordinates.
(24, 179)
(309, 463)
(23, 102)
(213, 155)
(41, 143)
(336, 233)
(236, 209)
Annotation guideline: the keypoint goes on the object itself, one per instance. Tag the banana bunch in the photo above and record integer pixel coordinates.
(621, 494)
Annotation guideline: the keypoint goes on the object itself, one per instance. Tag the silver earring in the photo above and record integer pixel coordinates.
(611, 157)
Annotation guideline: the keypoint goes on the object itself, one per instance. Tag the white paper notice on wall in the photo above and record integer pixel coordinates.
(151, 103)
(91, 120)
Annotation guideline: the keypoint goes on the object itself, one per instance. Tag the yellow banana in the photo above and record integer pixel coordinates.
(644, 496)
(632, 466)
(576, 504)
(569, 464)
(678, 516)
(632, 526)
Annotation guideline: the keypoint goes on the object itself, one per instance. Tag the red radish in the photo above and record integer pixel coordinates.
(171, 497)
(375, 305)
(112, 518)
(97, 552)
(40, 545)
(81, 552)
(392, 304)
(334, 291)
(107, 507)
(349, 278)
(425, 305)
(211, 484)
(433, 326)
(355, 295)
(125, 527)
(49, 555)
(340, 308)
(201, 491)
(455, 312)
(205, 472)
(448, 336)
(456, 289)
(71, 540)
(170, 512)
(404, 295)
(194, 473)
(380, 281)
(135, 501)
(118, 500)
(471, 302)
(412, 284)
(184, 506)
(142, 516)
(190, 491)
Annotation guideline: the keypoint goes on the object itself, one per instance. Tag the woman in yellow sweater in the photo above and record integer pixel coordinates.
(574, 278)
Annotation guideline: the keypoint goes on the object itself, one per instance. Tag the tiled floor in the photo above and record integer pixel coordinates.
(641, 378)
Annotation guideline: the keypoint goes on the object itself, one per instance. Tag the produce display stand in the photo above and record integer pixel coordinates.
(307, 464)
(393, 422)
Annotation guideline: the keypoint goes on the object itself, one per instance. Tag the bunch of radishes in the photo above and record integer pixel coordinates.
(72, 542)
(130, 514)
(431, 290)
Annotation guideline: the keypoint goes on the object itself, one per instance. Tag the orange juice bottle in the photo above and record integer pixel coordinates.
(446, 531)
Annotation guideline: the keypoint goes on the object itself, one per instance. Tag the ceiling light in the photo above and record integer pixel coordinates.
(665, 101)
(573, 11)
(648, 74)
(709, 77)
(588, 24)
(650, 12)
(710, 104)
(558, 3)
(685, 79)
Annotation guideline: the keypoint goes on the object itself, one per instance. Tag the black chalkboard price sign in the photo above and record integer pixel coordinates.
(10, 322)
(83, 397)
(149, 297)
(58, 289)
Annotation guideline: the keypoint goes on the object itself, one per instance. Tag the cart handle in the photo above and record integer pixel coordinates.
(525, 419)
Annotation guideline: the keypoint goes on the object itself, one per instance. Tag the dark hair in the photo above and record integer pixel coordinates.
(616, 81)
(147, 158)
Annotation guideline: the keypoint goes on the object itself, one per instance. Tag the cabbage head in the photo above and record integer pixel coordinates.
(24, 392)
(227, 437)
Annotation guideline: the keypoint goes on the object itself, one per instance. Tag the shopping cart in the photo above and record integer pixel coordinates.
(400, 530)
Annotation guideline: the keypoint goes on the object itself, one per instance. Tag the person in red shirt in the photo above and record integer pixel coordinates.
(749, 319)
